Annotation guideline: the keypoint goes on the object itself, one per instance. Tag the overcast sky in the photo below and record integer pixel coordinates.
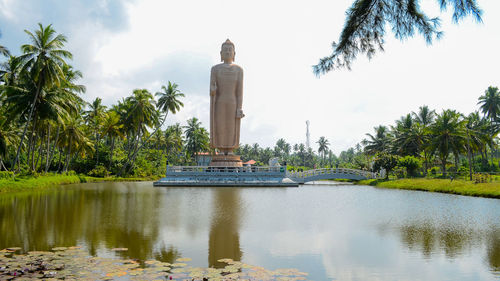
(124, 45)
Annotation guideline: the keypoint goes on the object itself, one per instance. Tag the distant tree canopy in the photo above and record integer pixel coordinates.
(366, 21)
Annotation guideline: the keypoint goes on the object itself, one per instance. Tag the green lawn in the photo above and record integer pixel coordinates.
(27, 183)
(457, 186)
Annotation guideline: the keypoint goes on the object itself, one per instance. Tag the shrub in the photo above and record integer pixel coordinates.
(411, 164)
(99, 171)
(6, 175)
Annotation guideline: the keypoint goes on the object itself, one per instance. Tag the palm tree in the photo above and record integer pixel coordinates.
(112, 128)
(490, 103)
(197, 137)
(424, 116)
(378, 143)
(8, 137)
(74, 139)
(10, 70)
(4, 51)
(173, 141)
(168, 102)
(43, 59)
(447, 136)
(94, 118)
(323, 147)
(490, 106)
(142, 114)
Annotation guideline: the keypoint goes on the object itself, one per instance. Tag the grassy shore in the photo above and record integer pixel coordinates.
(461, 187)
(28, 183)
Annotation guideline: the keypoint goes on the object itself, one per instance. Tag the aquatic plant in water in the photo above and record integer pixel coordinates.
(73, 263)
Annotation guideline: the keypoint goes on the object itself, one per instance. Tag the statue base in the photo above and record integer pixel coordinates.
(230, 160)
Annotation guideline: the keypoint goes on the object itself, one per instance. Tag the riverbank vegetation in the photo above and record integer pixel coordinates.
(459, 186)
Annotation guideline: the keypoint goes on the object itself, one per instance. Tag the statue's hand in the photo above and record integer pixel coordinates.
(239, 113)
(212, 93)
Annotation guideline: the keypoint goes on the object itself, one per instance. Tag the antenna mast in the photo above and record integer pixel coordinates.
(307, 135)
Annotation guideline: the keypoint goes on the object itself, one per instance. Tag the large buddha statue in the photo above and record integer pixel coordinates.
(226, 96)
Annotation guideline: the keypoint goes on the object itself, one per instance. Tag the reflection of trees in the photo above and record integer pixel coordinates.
(430, 239)
(110, 217)
(494, 250)
(224, 238)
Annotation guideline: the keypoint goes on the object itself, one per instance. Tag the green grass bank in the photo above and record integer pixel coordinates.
(31, 183)
(457, 186)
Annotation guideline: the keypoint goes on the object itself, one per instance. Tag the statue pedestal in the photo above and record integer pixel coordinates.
(226, 161)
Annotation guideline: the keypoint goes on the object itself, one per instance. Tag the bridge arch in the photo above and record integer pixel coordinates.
(330, 173)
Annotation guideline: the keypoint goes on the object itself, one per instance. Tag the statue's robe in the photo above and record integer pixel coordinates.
(226, 81)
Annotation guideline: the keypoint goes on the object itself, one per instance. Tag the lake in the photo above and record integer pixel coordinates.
(331, 231)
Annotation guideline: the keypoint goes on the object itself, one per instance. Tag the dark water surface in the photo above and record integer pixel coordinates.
(333, 232)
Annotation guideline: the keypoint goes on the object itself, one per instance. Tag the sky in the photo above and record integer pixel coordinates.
(124, 45)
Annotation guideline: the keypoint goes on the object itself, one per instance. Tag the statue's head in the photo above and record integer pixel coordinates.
(227, 51)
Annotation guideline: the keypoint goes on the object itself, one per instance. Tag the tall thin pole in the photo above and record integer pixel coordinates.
(307, 135)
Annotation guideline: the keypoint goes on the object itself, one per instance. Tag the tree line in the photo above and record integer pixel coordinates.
(416, 144)
(46, 125)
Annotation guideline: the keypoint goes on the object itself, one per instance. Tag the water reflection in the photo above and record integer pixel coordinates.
(224, 237)
(342, 232)
(107, 217)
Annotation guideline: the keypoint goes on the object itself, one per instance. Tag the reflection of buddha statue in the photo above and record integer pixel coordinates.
(226, 95)
(224, 237)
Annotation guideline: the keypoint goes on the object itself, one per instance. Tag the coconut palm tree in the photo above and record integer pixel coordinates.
(142, 115)
(8, 137)
(197, 137)
(10, 70)
(4, 51)
(74, 139)
(43, 60)
(94, 118)
(112, 128)
(168, 102)
(424, 116)
(378, 143)
(448, 136)
(490, 103)
(490, 106)
(323, 147)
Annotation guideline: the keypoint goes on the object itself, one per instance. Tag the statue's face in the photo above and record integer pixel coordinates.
(227, 52)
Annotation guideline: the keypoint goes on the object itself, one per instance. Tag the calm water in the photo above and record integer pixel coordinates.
(333, 232)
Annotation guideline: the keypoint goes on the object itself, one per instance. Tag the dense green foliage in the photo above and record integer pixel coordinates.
(46, 126)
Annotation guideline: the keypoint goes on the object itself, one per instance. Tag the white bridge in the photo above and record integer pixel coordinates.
(253, 176)
(331, 173)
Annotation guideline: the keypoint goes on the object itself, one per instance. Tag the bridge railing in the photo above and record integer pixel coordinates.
(331, 171)
(215, 169)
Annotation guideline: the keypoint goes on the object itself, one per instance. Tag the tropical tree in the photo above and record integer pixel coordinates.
(43, 60)
(112, 128)
(94, 118)
(424, 116)
(448, 136)
(366, 22)
(490, 103)
(74, 140)
(197, 137)
(168, 102)
(380, 142)
(323, 147)
(142, 114)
